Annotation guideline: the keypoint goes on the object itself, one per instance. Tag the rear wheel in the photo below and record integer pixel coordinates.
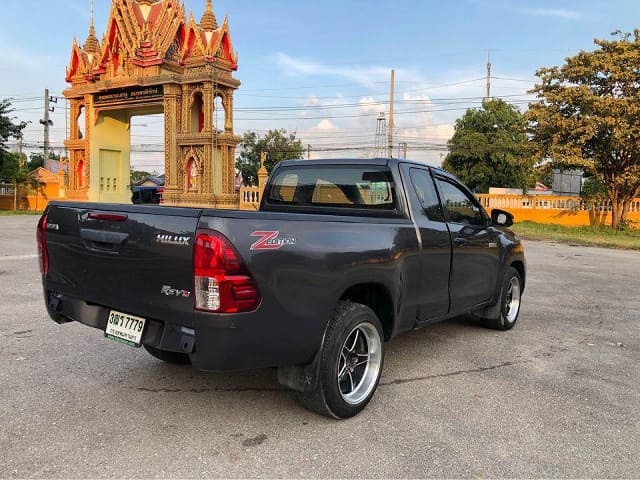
(351, 362)
(509, 302)
(169, 357)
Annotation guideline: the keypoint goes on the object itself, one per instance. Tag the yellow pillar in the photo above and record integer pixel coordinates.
(262, 173)
(62, 182)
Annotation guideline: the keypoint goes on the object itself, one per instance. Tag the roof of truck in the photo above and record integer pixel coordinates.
(361, 161)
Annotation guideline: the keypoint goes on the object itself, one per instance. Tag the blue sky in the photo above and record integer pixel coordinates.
(328, 62)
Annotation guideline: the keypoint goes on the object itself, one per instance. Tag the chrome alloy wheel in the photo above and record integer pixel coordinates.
(512, 300)
(359, 364)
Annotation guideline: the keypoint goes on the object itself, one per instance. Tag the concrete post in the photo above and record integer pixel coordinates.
(262, 173)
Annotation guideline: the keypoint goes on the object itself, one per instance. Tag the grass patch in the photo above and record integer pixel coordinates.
(6, 213)
(587, 236)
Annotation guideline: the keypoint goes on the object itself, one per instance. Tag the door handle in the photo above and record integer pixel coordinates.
(459, 241)
(103, 242)
(99, 236)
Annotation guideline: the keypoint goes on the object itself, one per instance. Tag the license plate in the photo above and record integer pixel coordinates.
(124, 328)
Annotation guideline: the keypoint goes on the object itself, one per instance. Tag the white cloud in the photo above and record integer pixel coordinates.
(14, 57)
(549, 12)
(371, 105)
(425, 111)
(533, 11)
(324, 126)
(417, 100)
(312, 101)
(365, 76)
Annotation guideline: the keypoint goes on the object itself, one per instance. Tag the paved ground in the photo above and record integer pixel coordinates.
(558, 396)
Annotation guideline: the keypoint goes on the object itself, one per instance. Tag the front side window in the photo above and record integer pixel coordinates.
(335, 186)
(459, 206)
(426, 193)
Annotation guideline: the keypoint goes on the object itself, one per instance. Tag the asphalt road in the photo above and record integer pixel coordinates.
(557, 396)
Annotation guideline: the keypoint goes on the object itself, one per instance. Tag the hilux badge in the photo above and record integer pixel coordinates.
(173, 240)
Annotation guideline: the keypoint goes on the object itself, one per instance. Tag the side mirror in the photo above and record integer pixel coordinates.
(501, 218)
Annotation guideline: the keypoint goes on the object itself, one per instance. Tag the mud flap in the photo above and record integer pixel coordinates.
(492, 311)
(303, 378)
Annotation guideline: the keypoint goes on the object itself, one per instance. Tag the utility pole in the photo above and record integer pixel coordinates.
(403, 148)
(47, 122)
(381, 133)
(20, 160)
(390, 128)
(308, 151)
(488, 97)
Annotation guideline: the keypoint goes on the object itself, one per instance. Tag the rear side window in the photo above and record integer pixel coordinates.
(335, 186)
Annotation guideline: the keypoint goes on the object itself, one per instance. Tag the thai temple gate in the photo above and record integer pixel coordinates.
(153, 59)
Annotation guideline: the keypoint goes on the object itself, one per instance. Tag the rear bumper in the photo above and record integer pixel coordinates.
(215, 342)
(159, 334)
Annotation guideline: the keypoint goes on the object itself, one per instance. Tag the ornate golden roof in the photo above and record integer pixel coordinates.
(91, 44)
(146, 33)
(208, 21)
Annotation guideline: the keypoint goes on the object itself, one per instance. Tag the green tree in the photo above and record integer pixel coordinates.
(588, 115)
(488, 148)
(137, 175)
(593, 188)
(9, 166)
(279, 146)
(9, 162)
(36, 160)
(8, 129)
(11, 170)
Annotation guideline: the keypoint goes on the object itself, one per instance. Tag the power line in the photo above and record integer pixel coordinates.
(435, 101)
(429, 87)
(365, 114)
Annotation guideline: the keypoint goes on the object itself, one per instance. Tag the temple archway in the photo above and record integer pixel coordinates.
(153, 59)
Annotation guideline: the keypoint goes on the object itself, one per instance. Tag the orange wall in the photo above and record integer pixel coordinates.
(49, 191)
(570, 211)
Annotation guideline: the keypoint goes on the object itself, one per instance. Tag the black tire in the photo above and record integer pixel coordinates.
(509, 304)
(346, 385)
(176, 358)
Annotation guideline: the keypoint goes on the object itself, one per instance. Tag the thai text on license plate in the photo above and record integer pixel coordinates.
(124, 328)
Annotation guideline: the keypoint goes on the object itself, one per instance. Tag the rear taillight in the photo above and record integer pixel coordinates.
(223, 283)
(41, 237)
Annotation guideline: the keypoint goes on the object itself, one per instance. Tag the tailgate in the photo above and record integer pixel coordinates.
(135, 259)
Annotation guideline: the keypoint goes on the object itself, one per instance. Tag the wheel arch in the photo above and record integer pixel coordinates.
(378, 298)
(519, 266)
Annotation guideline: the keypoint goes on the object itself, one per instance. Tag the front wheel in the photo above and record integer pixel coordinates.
(509, 302)
(351, 362)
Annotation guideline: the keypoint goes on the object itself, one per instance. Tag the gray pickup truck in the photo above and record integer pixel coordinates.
(342, 256)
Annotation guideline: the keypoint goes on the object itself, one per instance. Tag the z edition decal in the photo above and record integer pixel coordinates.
(270, 241)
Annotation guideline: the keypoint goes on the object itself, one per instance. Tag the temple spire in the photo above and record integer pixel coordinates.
(208, 21)
(92, 45)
